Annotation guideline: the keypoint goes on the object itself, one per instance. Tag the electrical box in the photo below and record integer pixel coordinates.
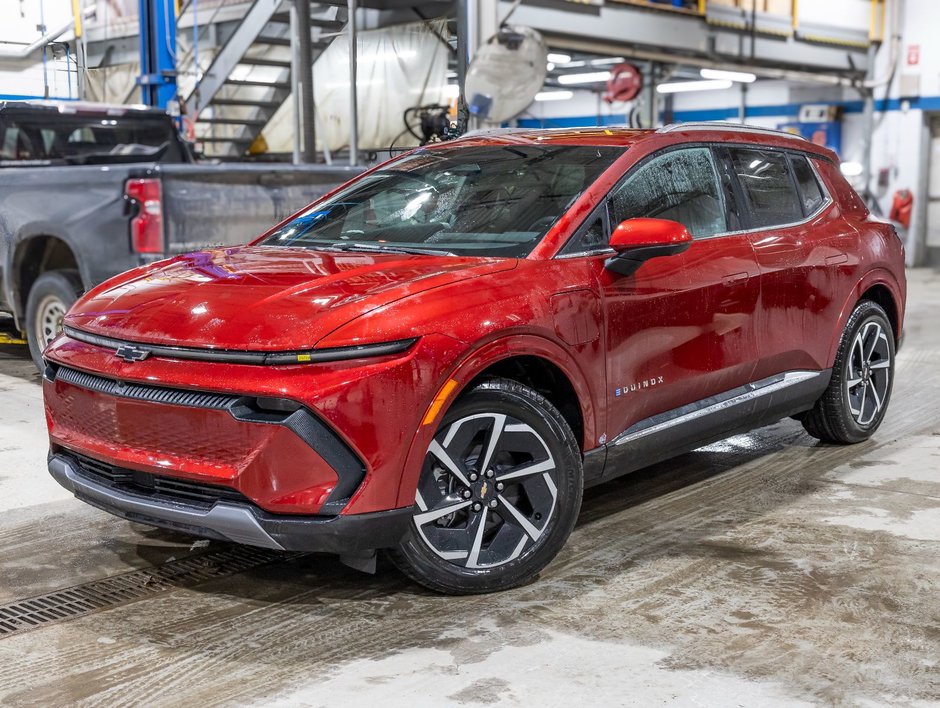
(826, 133)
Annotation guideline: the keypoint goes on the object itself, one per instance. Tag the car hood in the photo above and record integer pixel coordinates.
(261, 298)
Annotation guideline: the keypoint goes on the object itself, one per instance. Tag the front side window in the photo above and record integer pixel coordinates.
(589, 239)
(496, 200)
(680, 185)
(769, 190)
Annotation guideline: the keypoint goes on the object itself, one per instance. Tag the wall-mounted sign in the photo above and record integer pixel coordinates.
(913, 54)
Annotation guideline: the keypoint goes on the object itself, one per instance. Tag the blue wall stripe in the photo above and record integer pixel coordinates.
(16, 97)
(784, 110)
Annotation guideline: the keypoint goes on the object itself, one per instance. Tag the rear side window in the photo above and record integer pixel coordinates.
(680, 185)
(770, 192)
(810, 193)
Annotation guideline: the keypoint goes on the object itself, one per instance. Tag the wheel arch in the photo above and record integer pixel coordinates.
(881, 295)
(34, 255)
(880, 287)
(531, 360)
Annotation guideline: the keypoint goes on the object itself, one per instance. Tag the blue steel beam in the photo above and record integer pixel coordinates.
(157, 78)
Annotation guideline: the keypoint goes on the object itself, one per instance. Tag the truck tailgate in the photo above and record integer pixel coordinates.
(230, 204)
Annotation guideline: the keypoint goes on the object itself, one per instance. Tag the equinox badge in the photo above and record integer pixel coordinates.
(130, 353)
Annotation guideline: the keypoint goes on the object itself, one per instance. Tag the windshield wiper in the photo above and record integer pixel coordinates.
(375, 248)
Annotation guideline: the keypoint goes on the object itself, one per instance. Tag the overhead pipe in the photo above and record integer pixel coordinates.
(896, 19)
(304, 82)
(22, 52)
(353, 91)
(867, 89)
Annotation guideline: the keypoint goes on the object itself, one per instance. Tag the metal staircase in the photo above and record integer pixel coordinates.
(250, 75)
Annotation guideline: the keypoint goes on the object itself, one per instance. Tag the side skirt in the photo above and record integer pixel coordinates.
(691, 426)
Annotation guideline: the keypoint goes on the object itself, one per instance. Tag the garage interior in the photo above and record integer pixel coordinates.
(767, 569)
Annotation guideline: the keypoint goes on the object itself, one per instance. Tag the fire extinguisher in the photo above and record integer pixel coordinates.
(901, 207)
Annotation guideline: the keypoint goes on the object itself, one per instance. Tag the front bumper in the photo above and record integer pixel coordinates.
(240, 522)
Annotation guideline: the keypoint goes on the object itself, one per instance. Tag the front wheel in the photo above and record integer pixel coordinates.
(51, 296)
(498, 495)
(856, 400)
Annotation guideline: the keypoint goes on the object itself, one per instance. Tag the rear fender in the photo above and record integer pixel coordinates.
(878, 276)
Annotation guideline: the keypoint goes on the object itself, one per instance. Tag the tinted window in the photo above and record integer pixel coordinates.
(497, 200)
(680, 185)
(768, 187)
(810, 193)
(58, 137)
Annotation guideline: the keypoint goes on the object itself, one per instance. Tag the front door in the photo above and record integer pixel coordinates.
(682, 328)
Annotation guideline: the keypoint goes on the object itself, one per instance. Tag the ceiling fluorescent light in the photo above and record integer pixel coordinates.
(553, 95)
(607, 60)
(592, 77)
(741, 77)
(684, 86)
(556, 58)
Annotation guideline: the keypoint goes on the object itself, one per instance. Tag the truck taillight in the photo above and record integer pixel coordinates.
(147, 224)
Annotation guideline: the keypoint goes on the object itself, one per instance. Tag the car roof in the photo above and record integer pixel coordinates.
(713, 132)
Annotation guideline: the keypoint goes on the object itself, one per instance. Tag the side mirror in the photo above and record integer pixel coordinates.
(638, 240)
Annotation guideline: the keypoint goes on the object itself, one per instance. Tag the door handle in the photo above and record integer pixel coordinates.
(734, 278)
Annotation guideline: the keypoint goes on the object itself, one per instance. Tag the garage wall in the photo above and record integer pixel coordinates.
(19, 28)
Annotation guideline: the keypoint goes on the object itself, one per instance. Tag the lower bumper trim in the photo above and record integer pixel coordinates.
(240, 523)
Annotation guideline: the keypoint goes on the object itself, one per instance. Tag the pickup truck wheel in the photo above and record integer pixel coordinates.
(498, 495)
(51, 296)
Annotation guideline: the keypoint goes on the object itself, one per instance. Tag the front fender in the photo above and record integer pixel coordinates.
(468, 367)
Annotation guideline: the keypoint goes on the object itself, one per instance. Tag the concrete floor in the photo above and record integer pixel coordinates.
(764, 570)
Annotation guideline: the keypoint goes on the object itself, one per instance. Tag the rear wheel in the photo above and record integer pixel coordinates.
(51, 296)
(498, 494)
(855, 402)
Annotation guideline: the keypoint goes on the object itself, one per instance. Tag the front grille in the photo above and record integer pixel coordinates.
(154, 486)
(140, 392)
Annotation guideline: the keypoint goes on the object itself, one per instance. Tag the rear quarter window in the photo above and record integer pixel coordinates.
(811, 194)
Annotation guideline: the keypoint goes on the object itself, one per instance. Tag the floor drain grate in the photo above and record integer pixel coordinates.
(96, 595)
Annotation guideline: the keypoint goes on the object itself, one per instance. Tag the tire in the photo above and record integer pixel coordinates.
(51, 296)
(504, 526)
(854, 404)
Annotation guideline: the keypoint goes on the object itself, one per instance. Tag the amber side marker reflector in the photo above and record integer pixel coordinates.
(303, 357)
(439, 400)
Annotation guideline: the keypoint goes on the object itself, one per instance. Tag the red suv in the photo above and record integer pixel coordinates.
(436, 358)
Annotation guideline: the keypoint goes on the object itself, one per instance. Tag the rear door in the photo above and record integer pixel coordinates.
(682, 327)
(795, 237)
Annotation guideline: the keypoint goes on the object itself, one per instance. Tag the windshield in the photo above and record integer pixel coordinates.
(497, 200)
(85, 139)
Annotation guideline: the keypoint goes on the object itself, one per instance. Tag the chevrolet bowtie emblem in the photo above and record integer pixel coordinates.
(131, 353)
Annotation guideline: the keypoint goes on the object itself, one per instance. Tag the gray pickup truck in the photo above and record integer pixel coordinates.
(88, 191)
